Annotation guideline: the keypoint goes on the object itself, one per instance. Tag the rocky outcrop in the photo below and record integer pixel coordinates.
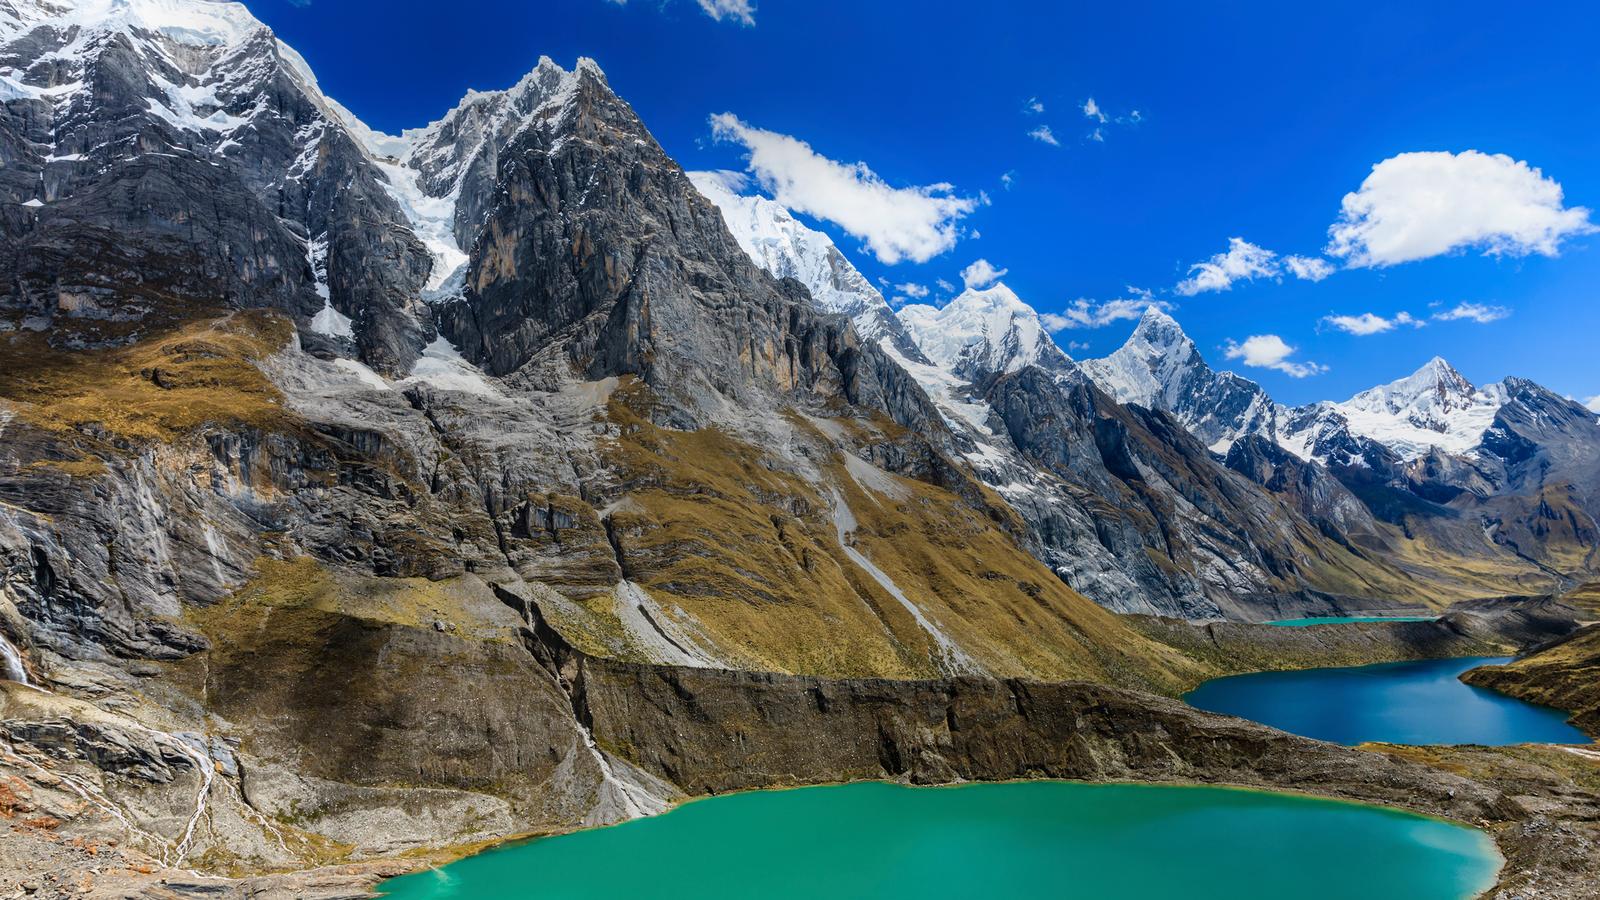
(1499, 627)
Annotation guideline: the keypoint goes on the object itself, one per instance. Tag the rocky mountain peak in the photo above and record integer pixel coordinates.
(985, 331)
(1158, 329)
(204, 24)
(1160, 367)
(1436, 382)
(786, 248)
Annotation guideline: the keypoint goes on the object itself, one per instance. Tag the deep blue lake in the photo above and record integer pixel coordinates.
(1401, 703)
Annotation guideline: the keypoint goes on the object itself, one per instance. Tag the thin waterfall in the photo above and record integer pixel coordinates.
(11, 667)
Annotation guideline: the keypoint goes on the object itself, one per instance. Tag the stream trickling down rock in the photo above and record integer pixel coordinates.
(1022, 839)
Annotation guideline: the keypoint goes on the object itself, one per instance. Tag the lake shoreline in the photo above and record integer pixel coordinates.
(518, 840)
(1303, 809)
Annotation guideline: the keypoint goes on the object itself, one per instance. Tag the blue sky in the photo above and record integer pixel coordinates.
(1254, 122)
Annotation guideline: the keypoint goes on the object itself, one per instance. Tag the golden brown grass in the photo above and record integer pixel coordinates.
(169, 384)
(749, 552)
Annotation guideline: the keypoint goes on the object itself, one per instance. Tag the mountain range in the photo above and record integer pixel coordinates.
(342, 468)
(1499, 476)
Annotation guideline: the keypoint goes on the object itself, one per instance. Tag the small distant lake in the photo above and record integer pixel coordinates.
(1019, 840)
(1420, 702)
(1346, 620)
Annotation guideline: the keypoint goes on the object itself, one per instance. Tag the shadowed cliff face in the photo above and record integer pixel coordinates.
(598, 253)
(125, 214)
(1194, 534)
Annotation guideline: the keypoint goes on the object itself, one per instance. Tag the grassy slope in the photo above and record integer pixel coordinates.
(747, 549)
(156, 390)
(1565, 675)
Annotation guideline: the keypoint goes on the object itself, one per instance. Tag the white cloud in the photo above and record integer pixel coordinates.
(1308, 268)
(911, 289)
(1099, 134)
(1243, 261)
(1085, 313)
(741, 11)
(1043, 134)
(915, 223)
(1075, 346)
(1092, 110)
(944, 285)
(1418, 205)
(1033, 106)
(1593, 403)
(1481, 313)
(1268, 351)
(1372, 323)
(981, 274)
(1008, 179)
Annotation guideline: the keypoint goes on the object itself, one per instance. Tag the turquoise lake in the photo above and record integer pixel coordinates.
(1028, 839)
(1346, 620)
(1402, 703)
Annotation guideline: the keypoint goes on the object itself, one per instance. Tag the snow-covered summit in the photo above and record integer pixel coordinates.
(1150, 365)
(787, 248)
(190, 23)
(1160, 367)
(984, 331)
(429, 168)
(1432, 407)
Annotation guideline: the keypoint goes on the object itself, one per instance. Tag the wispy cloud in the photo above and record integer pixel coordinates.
(1372, 323)
(1268, 351)
(1481, 313)
(1308, 268)
(1092, 110)
(1033, 107)
(1417, 205)
(981, 274)
(741, 11)
(1086, 313)
(1243, 261)
(912, 289)
(896, 223)
(1044, 135)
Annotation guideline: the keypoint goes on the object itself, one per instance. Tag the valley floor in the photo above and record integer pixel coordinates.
(677, 732)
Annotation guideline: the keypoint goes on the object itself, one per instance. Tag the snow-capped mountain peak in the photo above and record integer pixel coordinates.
(190, 23)
(787, 248)
(1153, 366)
(1434, 406)
(1160, 367)
(983, 331)
(1158, 329)
(1436, 385)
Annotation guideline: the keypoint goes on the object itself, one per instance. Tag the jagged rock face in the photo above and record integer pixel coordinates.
(1218, 542)
(599, 254)
(1318, 496)
(785, 248)
(1161, 368)
(1497, 473)
(166, 158)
